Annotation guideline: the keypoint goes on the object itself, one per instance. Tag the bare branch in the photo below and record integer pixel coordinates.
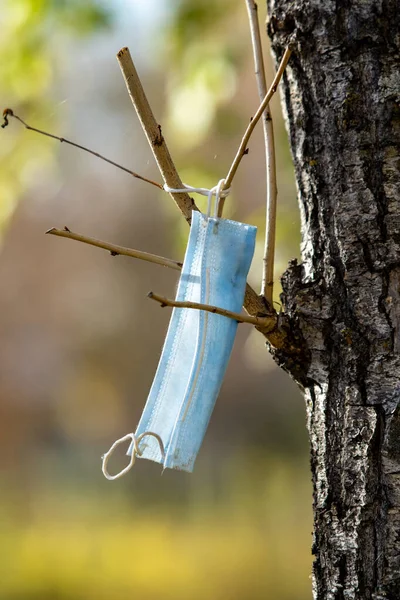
(243, 144)
(261, 314)
(116, 250)
(154, 135)
(264, 322)
(270, 226)
(253, 303)
(9, 113)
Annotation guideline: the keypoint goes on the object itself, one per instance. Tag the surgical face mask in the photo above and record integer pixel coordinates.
(197, 346)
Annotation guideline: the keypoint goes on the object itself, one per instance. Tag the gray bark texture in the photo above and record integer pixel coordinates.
(341, 95)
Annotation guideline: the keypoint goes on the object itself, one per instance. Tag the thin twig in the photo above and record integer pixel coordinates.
(154, 135)
(116, 250)
(270, 225)
(9, 113)
(259, 321)
(243, 144)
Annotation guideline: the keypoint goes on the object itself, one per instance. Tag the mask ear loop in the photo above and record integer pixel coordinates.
(210, 195)
(135, 452)
(219, 194)
(216, 190)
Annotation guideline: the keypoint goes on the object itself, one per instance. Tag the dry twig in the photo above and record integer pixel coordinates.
(154, 134)
(270, 225)
(116, 250)
(243, 144)
(264, 322)
(8, 112)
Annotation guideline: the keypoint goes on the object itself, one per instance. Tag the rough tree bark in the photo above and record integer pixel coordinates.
(341, 98)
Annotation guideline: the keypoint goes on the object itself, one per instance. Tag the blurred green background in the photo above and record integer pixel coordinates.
(80, 342)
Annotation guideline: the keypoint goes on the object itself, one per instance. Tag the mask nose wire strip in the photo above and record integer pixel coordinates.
(136, 452)
(214, 191)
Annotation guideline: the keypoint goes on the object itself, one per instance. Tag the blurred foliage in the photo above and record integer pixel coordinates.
(247, 545)
(32, 33)
(203, 56)
(193, 19)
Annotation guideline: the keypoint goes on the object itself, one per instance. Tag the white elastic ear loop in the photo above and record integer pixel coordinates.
(135, 452)
(216, 190)
(186, 189)
(209, 203)
(219, 194)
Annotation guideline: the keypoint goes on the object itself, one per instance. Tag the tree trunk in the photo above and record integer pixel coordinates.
(341, 98)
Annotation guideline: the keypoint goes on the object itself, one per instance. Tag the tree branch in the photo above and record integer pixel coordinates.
(265, 322)
(261, 314)
(270, 225)
(243, 144)
(116, 250)
(253, 303)
(8, 112)
(154, 135)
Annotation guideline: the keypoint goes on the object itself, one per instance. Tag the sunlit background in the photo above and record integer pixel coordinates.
(80, 341)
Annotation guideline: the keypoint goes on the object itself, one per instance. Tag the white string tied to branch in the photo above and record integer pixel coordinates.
(216, 191)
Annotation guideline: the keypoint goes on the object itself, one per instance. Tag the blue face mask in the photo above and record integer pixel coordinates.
(197, 347)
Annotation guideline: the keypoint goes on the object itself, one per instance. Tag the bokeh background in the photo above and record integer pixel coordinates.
(80, 341)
